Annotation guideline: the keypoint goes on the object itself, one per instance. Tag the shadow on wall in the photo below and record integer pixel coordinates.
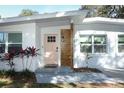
(101, 62)
(108, 60)
(100, 27)
(19, 66)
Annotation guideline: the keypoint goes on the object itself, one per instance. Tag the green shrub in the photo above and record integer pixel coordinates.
(26, 73)
(12, 73)
(2, 72)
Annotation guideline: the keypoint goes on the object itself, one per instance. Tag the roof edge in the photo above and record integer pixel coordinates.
(43, 16)
(103, 19)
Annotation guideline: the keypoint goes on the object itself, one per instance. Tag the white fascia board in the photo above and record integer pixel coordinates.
(43, 16)
(103, 20)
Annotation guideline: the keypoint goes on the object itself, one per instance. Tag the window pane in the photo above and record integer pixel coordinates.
(51, 39)
(14, 47)
(99, 48)
(85, 39)
(14, 37)
(121, 39)
(2, 37)
(99, 39)
(86, 48)
(2, 48)
(120, 48)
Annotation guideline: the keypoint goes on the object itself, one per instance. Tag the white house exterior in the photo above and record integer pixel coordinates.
(112, 30)
(44, 32)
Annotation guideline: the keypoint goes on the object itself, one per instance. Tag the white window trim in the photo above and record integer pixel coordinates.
(92, 43)
(100, 44)
(92, 36)
(6, 41)
(120, 53)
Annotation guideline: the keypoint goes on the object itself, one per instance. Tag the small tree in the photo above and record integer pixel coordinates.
(27, 12)
(88, 56)
(9, 58)
(86, 49)
(21, 55)
(28, 52)
(33, 53)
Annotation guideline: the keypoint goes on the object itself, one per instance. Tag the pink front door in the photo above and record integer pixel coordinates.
(50, 49)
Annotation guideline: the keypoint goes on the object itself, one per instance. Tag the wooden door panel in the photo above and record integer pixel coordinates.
(66, 47)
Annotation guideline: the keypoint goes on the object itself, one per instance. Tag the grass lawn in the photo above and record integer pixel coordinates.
(24, 80)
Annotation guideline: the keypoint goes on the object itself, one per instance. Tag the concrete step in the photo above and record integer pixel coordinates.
(54, 70)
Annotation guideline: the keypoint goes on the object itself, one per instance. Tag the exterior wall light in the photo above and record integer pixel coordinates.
(62, 39)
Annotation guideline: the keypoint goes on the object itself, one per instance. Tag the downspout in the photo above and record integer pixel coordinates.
(72, 36)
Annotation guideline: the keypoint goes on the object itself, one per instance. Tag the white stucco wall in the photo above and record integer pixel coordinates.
(28, 32)
(33, 35)
(28, 39)
(111, 59)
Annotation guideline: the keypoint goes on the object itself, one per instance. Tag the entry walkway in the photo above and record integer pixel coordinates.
(66, 75)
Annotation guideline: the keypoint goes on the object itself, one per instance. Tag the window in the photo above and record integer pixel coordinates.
(120, 43)
(99, 44)
(10, 42)
(86, 44)
(51, 39)
(2, 42)
(14, 42)
(93, 43)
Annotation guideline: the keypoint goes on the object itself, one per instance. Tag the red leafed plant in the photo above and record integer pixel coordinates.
(29, 51)
(9, 57)
(22, 54)
(33, 53)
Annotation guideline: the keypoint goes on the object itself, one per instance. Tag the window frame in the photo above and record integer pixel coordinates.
(51, 39)
(93, 44)
(100, 44)
(87, 43)
(7, 41)
(4, 41)
(119, 44)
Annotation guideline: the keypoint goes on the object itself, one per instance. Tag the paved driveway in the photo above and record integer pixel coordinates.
(115, 73)
(71, 77)
(66, 75)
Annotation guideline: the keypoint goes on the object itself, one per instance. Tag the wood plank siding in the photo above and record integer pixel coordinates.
(66, 47)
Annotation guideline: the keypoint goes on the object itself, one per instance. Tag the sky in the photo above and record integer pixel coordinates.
(14, 10)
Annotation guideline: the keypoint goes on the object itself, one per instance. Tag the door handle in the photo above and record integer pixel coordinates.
(56, 49)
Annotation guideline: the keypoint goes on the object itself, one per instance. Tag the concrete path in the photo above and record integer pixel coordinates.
(76, 78)
(115, 73)
(55, 76)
